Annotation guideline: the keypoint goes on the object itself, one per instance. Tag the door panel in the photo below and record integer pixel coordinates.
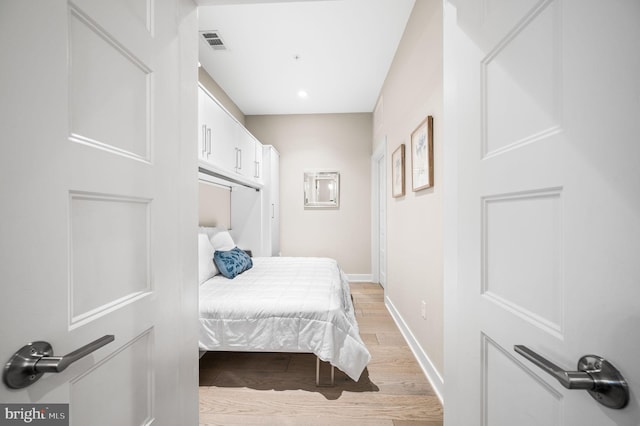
(522, 255)
(106, 80)
(111, 263)
(131, 23)
(521, 81)
(543, 106)
(131, 389)
(513, 394)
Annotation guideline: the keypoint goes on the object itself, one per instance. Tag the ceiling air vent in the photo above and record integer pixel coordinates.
(213, 39)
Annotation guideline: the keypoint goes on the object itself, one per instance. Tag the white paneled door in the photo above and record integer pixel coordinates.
(98, 206)
(544, 98)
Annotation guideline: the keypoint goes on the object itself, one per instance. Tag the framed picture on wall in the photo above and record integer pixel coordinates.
(422, 155)
(397, 172)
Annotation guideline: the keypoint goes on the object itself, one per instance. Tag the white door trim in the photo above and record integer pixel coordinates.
(450, 211)
(377, 182)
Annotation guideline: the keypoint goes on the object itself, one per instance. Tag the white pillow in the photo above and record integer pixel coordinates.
(222, 241)
(210, 231)
(206, 268)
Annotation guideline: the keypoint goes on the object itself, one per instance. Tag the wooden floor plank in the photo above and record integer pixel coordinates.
(279, 389)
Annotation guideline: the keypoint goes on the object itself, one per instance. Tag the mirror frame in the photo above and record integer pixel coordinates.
(311, 178)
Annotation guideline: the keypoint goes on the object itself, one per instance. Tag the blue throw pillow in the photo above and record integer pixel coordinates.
(233, 262)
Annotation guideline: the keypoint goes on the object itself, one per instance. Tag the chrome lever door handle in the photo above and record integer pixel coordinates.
(595, 374)
(568, 379)
(34, 359)
(56, 364)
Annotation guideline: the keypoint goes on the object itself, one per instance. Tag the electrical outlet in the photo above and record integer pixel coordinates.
(423, 310)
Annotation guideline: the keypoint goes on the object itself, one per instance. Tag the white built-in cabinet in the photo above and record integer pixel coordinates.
(249, 156)
(224, 145)
(231, 152)
(218, 132)
(255, 214)
(271, 202)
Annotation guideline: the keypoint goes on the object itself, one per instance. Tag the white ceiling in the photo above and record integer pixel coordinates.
(345, 48)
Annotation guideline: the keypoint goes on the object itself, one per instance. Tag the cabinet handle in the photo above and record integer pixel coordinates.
(257, 175)
(273, 211)
(208, 141)
(240, 151)
(204, 139)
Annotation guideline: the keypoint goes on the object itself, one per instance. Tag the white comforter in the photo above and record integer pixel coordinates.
(284, 304)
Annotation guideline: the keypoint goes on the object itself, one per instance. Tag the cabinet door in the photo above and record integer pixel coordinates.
(275, 201)
(258, 169)
(224, 131)
(246, 154)
(271, 162)
(204, 129)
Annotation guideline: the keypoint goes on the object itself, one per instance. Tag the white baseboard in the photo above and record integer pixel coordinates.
(423, 360)
(360, 278)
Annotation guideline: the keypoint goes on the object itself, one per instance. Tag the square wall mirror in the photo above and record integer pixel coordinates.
(321, 190)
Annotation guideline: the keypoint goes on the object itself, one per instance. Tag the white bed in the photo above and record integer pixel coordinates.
(284, 304)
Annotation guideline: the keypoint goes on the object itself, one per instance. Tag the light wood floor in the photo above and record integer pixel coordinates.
(279, 388)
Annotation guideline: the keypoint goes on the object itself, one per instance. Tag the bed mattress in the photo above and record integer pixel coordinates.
(284, 304)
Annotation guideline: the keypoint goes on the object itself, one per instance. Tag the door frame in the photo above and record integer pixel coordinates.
(378, 186)
(450, 214)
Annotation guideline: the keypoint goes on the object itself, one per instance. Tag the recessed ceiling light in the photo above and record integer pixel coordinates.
(302, 94)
